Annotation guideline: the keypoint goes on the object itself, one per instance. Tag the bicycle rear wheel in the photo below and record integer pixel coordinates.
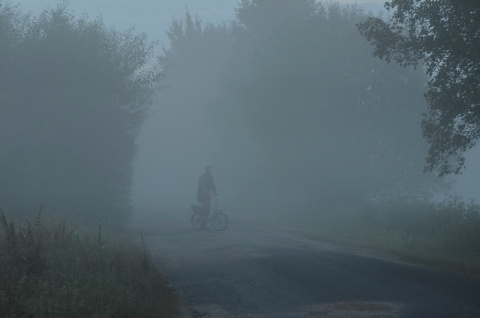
(198, 221)
(220, 222)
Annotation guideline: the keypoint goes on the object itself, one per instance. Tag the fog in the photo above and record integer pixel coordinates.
(289, 108)
(260, 167)
(150, 16)
(333, 167)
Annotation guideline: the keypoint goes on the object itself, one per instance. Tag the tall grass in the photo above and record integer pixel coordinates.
(53, 270)
(445, 234)
(449, 229)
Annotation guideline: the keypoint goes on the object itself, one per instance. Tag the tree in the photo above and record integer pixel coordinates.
(443, 37)
(192, 64)
(336, 125)
(73, 96)
(304, 116)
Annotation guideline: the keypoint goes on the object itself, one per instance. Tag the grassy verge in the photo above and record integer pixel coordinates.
(53, 270)
(444, 235)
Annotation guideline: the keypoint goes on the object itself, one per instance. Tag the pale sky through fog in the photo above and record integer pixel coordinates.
(154, 17)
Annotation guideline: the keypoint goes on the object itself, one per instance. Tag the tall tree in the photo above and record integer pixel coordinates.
(180, 126)
(74, 94)
(443, 37)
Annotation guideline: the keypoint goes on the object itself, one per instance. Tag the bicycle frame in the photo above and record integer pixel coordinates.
(199, 216)
(215, 211)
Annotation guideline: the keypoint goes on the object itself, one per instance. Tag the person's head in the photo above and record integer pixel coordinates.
(208, 170)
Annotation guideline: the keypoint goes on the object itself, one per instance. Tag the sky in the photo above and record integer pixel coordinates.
(154, 17)
(150, 16)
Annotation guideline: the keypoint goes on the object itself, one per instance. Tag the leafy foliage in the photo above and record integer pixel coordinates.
(444, 37)
(295, 93)
(73, 96)
(337, 124)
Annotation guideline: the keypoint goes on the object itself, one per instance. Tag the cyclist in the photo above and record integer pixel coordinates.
(206, 189)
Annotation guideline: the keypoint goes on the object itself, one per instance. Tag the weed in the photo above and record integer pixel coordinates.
(52, 270)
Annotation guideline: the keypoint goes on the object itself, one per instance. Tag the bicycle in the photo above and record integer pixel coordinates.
(200, 220)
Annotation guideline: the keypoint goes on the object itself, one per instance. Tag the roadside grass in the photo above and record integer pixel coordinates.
(54, 270)
(445, 235)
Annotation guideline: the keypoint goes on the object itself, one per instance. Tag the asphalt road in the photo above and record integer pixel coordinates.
(250, 271)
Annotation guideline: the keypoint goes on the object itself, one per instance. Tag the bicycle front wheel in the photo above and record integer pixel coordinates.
(198, 221)
(220, 222)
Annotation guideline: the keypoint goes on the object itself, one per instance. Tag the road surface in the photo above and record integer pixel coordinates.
(250, 271)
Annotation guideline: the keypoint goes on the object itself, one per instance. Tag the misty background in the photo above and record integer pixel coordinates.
(206, 127)
(282, 128)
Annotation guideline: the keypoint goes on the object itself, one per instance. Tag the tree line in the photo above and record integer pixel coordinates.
(73, 94)
(327, 122)
(292, 88)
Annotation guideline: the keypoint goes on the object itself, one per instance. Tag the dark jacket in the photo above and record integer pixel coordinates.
(206, 184)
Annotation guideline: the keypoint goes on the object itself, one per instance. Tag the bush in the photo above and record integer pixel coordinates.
(445, 234)
(456, 227)
(73, 96)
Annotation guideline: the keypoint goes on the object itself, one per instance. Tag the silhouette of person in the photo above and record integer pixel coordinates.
(206, 189)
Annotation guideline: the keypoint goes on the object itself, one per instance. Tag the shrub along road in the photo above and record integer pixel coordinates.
(255, 272)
